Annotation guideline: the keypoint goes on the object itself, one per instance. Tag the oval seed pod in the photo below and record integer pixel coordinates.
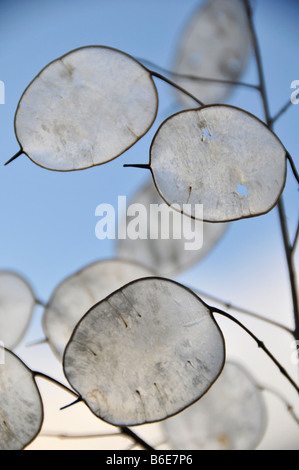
(85, 108)
(167, 256)
(144, 353)
(215, 44)
(17, 302)
(21, 410)
(221, 157)
(79, 292)
(231, 416)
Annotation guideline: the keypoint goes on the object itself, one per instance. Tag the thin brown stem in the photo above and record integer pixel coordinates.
(37, 343)
(128, 432)
(242, 310)
(123, 429)
(281, 112)
(256, 47)
(40, 302)
(196, 78)
(175, 85)
(280, 205)
(290, 264)
(294, 246)
(278, 395)
(293, 166)
(259, 343)
(56, 382)
(80, 436)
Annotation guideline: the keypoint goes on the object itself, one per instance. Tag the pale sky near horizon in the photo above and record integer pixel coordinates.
(48, 218)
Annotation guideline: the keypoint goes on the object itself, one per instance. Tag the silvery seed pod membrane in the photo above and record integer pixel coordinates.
(76, 294)
(85, 108)
(221, 157)
(21, 409)
(215, 44)
(145, 353)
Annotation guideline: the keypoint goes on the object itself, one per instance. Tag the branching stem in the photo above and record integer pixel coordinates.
(278, 395)
(242, 310)
(80, 436)
(196, 78)
(259, 343)
(293, 166)
(280, 205)
(123, 429)
(281, 112)
(175, 85)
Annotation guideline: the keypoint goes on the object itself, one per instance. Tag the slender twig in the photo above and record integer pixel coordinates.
(260, 344)
(280, 205)
(123, 429)
(293, 166)
(79, 399)
(80, 436)
(290, 408)
(242, 310)
(14, 157)
(281, 112)
(295, 239)
(137, 165)
(37, 343)
(196, 78)
(262, 88)
(128, 432)
(290, 264)
(41, 303)
(56, 382)
(175, 85)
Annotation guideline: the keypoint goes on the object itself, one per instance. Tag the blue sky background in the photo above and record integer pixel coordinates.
(47, 218)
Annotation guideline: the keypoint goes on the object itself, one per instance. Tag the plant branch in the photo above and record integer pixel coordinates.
(291, 268)
(56, 382)
(293, 166)
(128, 432)
(295, 239)
(196, 78)
(123, 429)
(281, 112)
(242, 310)
(280, 205)
(37, 342)
(260, 344)
(40, 303)
(80, 436)
(161, 77)
(290, 408)
(262, 81)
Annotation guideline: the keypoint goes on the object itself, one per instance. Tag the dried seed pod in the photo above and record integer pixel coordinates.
(79, 292)
(215, 44)
(221, 157)
(231, 416)
(85, 108)
(17, 302)
(144, 353)
(21, 411)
